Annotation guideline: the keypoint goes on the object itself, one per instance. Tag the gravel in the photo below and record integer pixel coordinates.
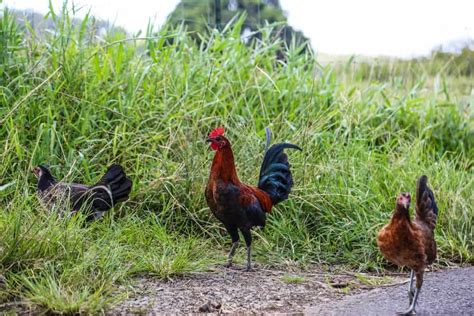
(235, 291)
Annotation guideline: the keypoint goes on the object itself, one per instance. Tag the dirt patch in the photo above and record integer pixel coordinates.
(235, 291)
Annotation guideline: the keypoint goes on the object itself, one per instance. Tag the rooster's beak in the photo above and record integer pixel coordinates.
(209, 140)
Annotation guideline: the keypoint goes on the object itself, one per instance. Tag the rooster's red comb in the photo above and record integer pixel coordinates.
(219, 131)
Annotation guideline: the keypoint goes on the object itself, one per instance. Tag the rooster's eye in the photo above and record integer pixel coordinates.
(218, 138)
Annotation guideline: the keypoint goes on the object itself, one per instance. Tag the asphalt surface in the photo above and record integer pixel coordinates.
(447, 292)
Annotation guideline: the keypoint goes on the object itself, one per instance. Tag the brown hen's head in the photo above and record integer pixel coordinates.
(217, 140)
(404, 200)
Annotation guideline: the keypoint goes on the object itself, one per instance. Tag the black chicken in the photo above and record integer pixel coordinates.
(65, 198)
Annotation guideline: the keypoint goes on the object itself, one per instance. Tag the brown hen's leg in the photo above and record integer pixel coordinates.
(411, 291)
(411, 309)
(419, 283)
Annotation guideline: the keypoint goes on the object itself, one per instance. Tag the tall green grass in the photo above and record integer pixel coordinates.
(79, 102)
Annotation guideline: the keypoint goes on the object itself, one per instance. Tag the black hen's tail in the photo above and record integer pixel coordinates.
(275, 174)
(114, 187)
(426, 207)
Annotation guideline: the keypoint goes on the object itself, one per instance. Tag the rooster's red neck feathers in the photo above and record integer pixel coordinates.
(223, 165)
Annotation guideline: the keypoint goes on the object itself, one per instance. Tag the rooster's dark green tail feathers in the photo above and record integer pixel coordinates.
(275, 174)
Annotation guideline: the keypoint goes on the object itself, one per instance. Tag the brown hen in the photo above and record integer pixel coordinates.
(411, 243)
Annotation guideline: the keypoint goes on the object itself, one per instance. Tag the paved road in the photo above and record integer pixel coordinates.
(448, 292)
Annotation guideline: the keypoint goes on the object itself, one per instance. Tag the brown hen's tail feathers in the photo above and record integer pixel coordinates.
(426, 208)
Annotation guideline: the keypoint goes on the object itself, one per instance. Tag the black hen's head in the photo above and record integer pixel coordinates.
(44, 176)
(40, 170)
(217, 140)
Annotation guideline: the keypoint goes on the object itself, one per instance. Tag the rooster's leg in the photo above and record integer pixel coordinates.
(411, 291)
(230, 257)
(248, 242)
(234, 234)
(249, 262)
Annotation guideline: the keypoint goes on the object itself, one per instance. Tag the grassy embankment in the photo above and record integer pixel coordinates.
(80, 103)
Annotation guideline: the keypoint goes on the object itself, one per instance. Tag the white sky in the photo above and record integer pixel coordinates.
(401, 28)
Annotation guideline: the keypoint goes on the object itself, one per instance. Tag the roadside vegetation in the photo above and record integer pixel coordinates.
(79, 101)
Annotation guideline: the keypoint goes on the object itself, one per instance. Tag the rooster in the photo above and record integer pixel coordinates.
(411, 243)
(237, 205)
(112, 188)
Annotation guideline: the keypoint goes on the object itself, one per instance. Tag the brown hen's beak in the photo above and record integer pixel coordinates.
(209, 140)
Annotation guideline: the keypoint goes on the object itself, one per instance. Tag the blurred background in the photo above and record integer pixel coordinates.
(403, 28)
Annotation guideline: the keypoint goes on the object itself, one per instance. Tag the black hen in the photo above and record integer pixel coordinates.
(114, 187)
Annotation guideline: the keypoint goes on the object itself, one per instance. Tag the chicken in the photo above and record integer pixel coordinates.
(114, 187)
(237, 205)
(411, 243)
